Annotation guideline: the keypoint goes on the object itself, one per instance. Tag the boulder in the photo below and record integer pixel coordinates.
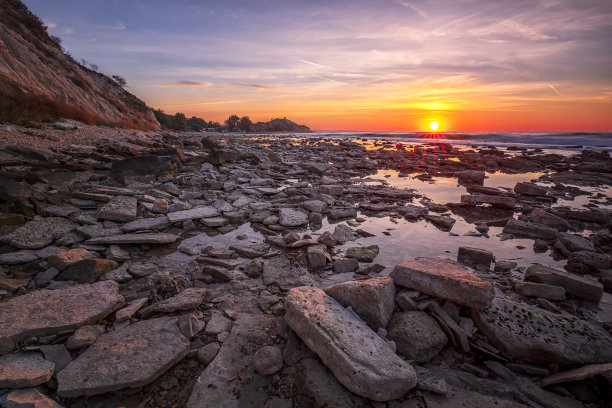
(345, 265)
(268, 360)
(536, 335)
(87, 270)
(576, 285)
(39, 233)
(373, 299)
(359, 359)
(417, 335)
(524, 229)
(444, 279)
(475, 257)
(289, 217)
(23, 370)
(317, 256)
(129, 358)
(573, 243)
(540, 216)
(588, 262)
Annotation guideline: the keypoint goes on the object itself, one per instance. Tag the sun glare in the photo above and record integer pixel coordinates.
(434, 125)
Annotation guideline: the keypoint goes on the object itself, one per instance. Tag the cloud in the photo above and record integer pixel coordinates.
(554, 89)
(117, 27)
(256, 86)
(183, 84)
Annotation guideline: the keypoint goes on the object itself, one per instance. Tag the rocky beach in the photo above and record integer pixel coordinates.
(174, 269)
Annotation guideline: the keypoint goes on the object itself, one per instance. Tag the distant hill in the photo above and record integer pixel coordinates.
(38, 80)
(279, 125)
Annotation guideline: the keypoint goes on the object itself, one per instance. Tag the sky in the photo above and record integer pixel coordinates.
(375, 65)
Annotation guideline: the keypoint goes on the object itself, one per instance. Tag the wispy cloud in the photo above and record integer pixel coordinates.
(256, 86)
(119, 26)
(554, 89)
(183, 84)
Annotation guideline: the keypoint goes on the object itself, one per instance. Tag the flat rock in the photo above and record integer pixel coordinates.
(129, 310)
(129, 358)
(536, 335)
(219, 385)
(578, 374)
(251, 251)
(64, 259)
(541, 290)
(146, 238)
(540, 216)
(87, 270)
(119, 208)
(373, 299)
(359, 359)
(530, 189)
(15, 258)
(417, 335)
(576, 285)
(289, 217)
(475, 257)
(343, 234)
(84, 337)
(188, 299)
(39, 233)
(363, 254)
(279, 271)
(27, 398)
(146, 224)
(529, 230)
(574, 243)
(498, 201)
(460, 398)
(24, 370)
(194, 213)
(444, 279)
(47, 312)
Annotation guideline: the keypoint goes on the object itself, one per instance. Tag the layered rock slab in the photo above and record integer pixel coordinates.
(39, 232)
(536, 335)
(24, 370)
(131, 357)
(444, 279)
(46, 312)
(359, 359)
(146, 238)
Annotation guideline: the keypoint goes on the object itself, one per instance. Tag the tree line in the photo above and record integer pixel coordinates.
(179, 121)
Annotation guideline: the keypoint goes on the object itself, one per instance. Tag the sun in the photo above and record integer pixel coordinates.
(433, 125)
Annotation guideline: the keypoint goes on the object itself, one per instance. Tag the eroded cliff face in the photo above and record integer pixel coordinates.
(36, 76)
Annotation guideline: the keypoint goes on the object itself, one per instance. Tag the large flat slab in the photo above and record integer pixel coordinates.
(46, 312)
(200, 212)
(576, 285)
(444, 279)
(131, 357)
(146, 238)
(39, 232)
(22, 370)
(359, 359)
(218, 385)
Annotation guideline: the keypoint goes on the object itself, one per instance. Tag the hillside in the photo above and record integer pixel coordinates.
(279, 125)
(37, 79)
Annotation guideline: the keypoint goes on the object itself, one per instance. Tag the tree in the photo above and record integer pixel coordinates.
(196, 124)
(232, 122)
(179, 121)
(119, 80)
(245, 124)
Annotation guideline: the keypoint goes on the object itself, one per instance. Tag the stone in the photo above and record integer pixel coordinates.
(13, 285)
(317, 256)
(588, 262)
(129, 358)
(146, 238)
(442, 222)
(575, 285)
(498, 201)
(530, 189)
(343, 234)
(536, 335)
(46, 312)
(146, 224)
(39, 233)
(541, 290)
(27, 398)
(87, 270)
(146, 165)
(268, 360)
(457, 397)
(194, 213)
(427, 381)
(573, 243)
(372, 299)
(44, 278)
(279, 271)
(119, 208)
(289, 217)
(117, 254)
(314, 205)
(188, 299)
(475, 257)
(218, 323)
(444, 279)
(207, 353)
(65, 259)
(219, 385)
(529, 230)
(540, 216)
(142, 270)
(129, 310)
(15, 258)
(363, 254)
(356, 355)
(84, 337)
(189, 325)
(578, 374)
(23, 370)
(57, 354)
(345, 265)
(342, 213)
(417, 335)
(254, 269)
(318, 168)
(213, 222)
(251, 251)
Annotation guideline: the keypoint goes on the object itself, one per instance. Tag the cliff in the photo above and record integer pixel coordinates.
(37, 79)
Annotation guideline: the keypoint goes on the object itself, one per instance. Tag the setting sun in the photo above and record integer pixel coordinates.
(434, 125)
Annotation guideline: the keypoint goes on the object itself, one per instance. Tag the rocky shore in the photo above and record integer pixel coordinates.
(212, 270)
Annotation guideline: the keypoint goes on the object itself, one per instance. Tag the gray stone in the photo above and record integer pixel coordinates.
(588, 262)
(39, 233)
(142, 270)
(541, 290)
(363, 254)
(84, 337)
(117, 254)
(279, 271)
(146, 238)
(218, 323)
(213, 222)
(27, 398)
(576, 285)
(188, 299)
(416, 335)
(314, 205)
(289, 217)
(339, 214)
(535, 335)
(46, 312)
(540, 216)
(498, 201)
(345, 265)
(574, 243)
(129, 358)
(251, 251)
(427, 381)
(268, 360)
(119, 208)
(578, 374)
(444, 279)
(475, 257)
(57, 354)
(372, 299)
(129, 310)
(207, 353)
(356, 355)
(194, 213)
(457, 397)
(23, 370)
(530, 230)
(87, 270)
(343, 234)
(44, 278)
(14, 258)
(317, 256)
(146, 224)
(530, 189)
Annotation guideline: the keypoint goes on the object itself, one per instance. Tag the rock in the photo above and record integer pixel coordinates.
(251, 251)
(356, 355)
(27, 398)
(373, 299)
(213, 222)
(129, 310)
(340, 214)
(331, 189)
(87, 270)
(57, 354)
(471, 175)
(46, 312)
(146, 165)
(578, 374)
(44, 278)
(13, 285)
(343, 234)
(498, 201)
(318, 168)
(188, 299)
(218, 323)
(345, 265)
(576, 285)
(146, 238)
(207, 353)
(539, 336)
(540, 216)
(15, 258)
(219, 385)
(194, 213)
(254, 269)
(530, 189)
(416, 335)
(363, 254)
(23, 370)
(529, 230)
(475, 257)
(444, 279)
(190, 325)
(288, 217)
(65, 259)
(117, 254)
(39, 233)
(279, 271)
(442, 222)
(588, 262)
(317, 256)
(129, 358)
(540, 290)
(119, 208)
(84, 337)
(142, 270)
(457, 397)
(36, 153)
(502, 265)
(573, 243)
(314, 205)
(146, 224)
(268, 360)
